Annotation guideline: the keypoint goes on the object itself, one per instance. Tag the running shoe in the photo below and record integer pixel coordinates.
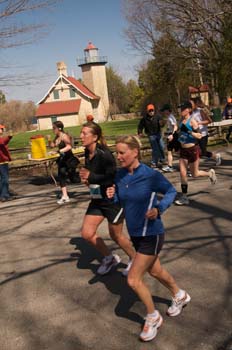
(189, 174)
(151, 327)
(154, 165)
(168, 169)
(183, 200)
(178, 304)
(212, 176)
(218, 159)
(108, 262)
(63, 200)
(127, 269)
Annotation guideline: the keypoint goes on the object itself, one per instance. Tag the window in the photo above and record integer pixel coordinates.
(53, 119)
(72, 92)
(56, 94)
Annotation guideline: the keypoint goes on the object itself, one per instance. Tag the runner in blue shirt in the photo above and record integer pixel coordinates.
(137, 187)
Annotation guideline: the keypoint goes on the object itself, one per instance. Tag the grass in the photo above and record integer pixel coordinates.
(114, 128)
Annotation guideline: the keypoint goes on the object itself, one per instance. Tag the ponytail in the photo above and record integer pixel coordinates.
(96, 130)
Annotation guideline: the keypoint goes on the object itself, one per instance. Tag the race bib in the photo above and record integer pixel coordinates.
(95, 191)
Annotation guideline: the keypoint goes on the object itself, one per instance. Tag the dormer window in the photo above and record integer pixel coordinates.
(56, 94)
(72, 93)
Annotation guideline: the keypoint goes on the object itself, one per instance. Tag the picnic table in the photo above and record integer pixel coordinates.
(51, 158)
(219, 126)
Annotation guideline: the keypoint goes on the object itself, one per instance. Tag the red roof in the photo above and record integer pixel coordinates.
(202, 88)
(58, 108)
(82, 88)
(192, 89)
(90, 46)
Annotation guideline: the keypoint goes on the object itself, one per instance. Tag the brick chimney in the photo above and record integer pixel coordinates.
(61, 68)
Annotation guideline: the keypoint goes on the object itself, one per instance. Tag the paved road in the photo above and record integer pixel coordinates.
(52, 299)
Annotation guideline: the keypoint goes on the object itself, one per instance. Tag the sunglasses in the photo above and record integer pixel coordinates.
(151, 110)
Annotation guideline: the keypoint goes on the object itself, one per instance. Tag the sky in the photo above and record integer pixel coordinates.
(71, 24)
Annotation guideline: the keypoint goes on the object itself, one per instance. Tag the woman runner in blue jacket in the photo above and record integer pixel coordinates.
(137, 187)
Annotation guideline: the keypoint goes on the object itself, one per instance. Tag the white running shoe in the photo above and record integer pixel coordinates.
(168, 169)
(212, 176)
(178, 304)
(63, 200)
(218, 159)
(108, 262)
(151, 327)
(127, 269)
(183, 200)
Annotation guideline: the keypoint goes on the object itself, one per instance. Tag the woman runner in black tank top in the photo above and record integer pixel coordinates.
(67, 162)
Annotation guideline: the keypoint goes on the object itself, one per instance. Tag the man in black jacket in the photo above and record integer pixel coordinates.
(151, 123)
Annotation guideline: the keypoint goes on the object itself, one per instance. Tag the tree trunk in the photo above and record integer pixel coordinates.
(215, 95)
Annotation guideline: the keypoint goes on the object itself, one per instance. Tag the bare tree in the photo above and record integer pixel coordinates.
(14, 31)
(197, 26)
(17, 29)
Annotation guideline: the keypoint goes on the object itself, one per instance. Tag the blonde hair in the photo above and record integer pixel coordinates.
(132, 142)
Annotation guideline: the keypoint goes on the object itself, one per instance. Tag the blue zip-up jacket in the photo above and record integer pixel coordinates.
(137, 193)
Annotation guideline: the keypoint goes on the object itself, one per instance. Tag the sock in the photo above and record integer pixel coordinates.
(180, 294)
(184, 188)
(154, 314)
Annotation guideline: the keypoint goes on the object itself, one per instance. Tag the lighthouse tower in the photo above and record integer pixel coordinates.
(94, 77)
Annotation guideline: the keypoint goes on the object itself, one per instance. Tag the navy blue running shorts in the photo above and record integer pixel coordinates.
(148, 245)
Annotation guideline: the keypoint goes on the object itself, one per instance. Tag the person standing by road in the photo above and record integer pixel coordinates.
(190, 152)
(152, 123)
(137, 188)
(98, 174)
(5, 158)
(172, 136)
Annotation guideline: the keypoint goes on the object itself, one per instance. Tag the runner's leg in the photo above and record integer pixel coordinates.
(194, 169)
(183, 175)
(141, 264)
(170, 159)
(164, 277)
(89, 233)
(124, 243)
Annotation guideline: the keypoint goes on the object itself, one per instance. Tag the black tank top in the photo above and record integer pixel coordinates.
(69, 153)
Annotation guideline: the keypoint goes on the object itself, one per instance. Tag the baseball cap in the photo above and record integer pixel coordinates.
(150, 107)
(2, 126)
(90, 118)
(166, 107)
(185, 105)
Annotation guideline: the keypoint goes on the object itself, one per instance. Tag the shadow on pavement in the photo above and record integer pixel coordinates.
(17, 275)
(115, 282)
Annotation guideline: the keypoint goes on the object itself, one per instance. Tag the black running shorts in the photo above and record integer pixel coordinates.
(148, 245)
(113, 212)
(174, 144)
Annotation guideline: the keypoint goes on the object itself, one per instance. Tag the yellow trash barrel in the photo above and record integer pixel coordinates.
(38, 147)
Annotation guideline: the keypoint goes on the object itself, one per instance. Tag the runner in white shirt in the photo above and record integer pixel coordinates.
(203, 120)
(172, 136)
